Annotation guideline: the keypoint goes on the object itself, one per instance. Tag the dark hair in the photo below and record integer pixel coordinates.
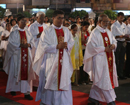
(7, 20)
(19, 18)
(85, 23)
(128, 16)
(120, 14)
(32, 20)
(77, 18)
(10, 16)
(124, 20)
(7, 24)
(57, 12)
(73, 26)
(12, 21)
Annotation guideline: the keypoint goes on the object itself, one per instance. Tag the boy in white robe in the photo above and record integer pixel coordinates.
(18, 60)
(99, 63)
(53, 52)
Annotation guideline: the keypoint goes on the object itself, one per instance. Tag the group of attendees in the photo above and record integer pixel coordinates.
(26, 40)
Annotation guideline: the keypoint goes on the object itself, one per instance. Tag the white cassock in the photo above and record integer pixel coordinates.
(46, 66)
(35, 29)
(96, 65)
(13, 62)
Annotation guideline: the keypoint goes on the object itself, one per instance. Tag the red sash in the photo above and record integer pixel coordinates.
(29, 25)
(106, 41)
(60, 38)
(24, 57)
(40, 29)
(86, 36)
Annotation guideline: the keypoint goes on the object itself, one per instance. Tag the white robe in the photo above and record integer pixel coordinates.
(35, 31)
(12, 63)
(95, 62)
(33, 28)
(96, 65)
(47, 55)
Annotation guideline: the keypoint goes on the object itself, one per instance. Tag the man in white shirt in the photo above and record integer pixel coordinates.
(119, 31)
(52, 63)
(99, 63)
(127, 67)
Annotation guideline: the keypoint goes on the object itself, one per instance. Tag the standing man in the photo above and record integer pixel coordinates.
(99, 63)
(127, 67)
(119, 31)
(18, 60)
(36, 30)
(53, 52)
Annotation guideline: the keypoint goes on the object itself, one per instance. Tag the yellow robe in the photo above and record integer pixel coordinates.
(76, 55)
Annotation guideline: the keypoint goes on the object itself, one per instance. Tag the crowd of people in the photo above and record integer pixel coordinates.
(51, 54)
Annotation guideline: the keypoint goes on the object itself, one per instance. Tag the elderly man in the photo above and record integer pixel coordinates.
(36, 30)
(18, 60)
(53, 52)
(99, 63)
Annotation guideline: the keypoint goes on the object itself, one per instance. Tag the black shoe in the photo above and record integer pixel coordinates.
(28, 97)
(122, 78)
(111, 103)
(13, 93)
(94, 104)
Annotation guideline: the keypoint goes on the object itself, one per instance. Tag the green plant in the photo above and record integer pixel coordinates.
(49, 13)
(111, 14)
(81, 14)
(2, 11)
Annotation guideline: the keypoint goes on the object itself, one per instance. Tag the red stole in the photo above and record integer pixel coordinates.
(106, 41)
(86, 36)
(60, 38)
(24, 57)
(40, 29)
(29, 25)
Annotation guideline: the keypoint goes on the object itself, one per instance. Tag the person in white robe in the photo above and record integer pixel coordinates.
(52, 63)
(4, 38)
(36, 30)
(18, 60)
(99, 63)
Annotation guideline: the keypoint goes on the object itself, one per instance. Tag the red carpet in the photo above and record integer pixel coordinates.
(79, 98)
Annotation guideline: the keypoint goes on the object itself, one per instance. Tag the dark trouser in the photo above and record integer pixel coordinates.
(84, 77)
(120, 58)
(127, 69)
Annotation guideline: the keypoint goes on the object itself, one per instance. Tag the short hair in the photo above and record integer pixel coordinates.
(40, 13)
(12, 21)
(7, 24)
(10, 16)
(73, 26)
(124, 20)
(19, 18)
(120, 14)
(101, 17)
(85, 23)
(58, 12)
(128, 16)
